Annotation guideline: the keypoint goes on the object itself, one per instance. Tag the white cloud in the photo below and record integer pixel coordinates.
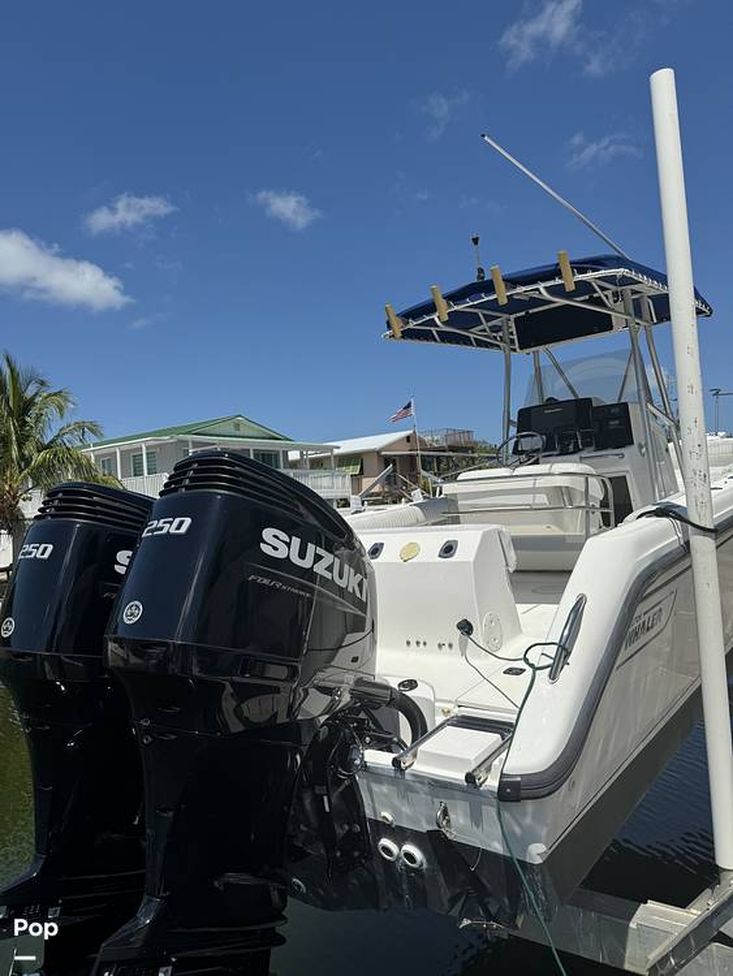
(144, 321)
(554, 26)
(38, 270)
(290, 208)
(585, 152)
(127, 212)
(440, 110)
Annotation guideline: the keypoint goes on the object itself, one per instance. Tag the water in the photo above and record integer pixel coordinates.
(663, 852)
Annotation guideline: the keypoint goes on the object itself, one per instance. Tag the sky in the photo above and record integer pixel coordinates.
(205, 206)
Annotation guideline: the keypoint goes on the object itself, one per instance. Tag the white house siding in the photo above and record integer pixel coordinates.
(167, 454)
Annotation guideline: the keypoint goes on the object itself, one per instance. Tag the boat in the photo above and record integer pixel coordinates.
(540, 611)
(453, 703)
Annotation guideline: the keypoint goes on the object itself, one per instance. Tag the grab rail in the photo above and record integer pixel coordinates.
(479, 774)
(403, 760)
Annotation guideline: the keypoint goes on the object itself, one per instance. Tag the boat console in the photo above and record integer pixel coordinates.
(87, 867)
(574, 426)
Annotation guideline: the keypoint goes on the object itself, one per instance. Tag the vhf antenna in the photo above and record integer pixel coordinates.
(555, 196)
(480, 273)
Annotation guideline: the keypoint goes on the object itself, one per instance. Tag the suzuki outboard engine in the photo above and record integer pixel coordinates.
(245, 621)
(87, 868)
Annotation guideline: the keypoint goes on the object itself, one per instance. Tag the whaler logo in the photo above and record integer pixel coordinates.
(648, 624)
(307, 555)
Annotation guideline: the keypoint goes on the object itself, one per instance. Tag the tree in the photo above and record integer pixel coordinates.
(38, 447)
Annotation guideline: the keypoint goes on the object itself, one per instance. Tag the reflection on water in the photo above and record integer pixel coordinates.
(664, 852)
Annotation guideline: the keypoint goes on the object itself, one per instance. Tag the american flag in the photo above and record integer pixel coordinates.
(407, 411)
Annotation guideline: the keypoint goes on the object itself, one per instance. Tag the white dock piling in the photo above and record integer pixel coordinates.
(696, 470)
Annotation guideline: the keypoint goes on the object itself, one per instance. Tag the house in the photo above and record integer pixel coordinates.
(387, 464)
(142, 461)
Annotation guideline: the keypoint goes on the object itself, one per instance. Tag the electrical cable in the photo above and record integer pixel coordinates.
(499, 657)
(666, 511)
(534, 668)
(465, 628)
(488, 681)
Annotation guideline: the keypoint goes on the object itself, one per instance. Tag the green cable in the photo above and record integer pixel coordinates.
(534, 668)
(515, 861)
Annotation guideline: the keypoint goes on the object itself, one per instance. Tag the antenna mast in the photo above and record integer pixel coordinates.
(555, 196)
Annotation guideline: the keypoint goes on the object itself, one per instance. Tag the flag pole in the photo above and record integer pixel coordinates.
(417, 442)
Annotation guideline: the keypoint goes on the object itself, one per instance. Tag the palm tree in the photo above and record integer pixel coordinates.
(37, 448)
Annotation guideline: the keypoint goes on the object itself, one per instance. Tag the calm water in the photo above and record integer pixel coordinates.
(663, 852)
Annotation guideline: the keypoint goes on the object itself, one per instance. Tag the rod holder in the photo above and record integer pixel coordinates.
(499, 286)
(568, 278)
(441, 306)
(396, 324)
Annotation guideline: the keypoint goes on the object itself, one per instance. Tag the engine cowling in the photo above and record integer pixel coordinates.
(87, 868)
(245, 619)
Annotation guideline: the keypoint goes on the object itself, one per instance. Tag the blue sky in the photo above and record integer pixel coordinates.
(205, 206)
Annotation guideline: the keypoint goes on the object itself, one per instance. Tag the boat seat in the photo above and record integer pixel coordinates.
(543, 506)
(427, 511)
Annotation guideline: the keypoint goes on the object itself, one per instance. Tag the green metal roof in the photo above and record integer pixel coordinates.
(257, 431)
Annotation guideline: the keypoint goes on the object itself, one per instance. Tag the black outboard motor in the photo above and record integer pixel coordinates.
(245, 620)
(87, 869)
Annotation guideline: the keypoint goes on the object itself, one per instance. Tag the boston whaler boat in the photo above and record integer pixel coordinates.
(543, 622)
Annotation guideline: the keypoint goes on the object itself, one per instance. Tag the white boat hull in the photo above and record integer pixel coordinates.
(584, 751)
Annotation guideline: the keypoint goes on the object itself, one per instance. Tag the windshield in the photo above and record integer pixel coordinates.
(607, 378)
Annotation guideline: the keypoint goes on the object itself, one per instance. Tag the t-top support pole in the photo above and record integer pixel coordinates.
(696, 472)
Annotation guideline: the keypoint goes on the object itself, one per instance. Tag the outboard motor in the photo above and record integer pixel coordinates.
(87, 868)
(245, 621)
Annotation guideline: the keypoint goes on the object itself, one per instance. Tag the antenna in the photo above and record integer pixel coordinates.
(480, 273)
(555, 196)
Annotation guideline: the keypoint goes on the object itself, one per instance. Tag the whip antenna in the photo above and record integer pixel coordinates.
(555, 196)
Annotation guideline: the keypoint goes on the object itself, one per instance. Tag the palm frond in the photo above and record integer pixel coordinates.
(39, 447)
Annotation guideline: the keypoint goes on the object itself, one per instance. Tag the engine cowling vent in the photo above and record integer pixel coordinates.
(227, 471)
(100, 504)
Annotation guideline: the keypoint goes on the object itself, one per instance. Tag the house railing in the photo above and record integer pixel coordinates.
(330, 483)
(146, 484)
(325, 482)
(449, 437)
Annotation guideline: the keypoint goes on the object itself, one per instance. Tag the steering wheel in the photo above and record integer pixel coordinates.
(508, 459)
